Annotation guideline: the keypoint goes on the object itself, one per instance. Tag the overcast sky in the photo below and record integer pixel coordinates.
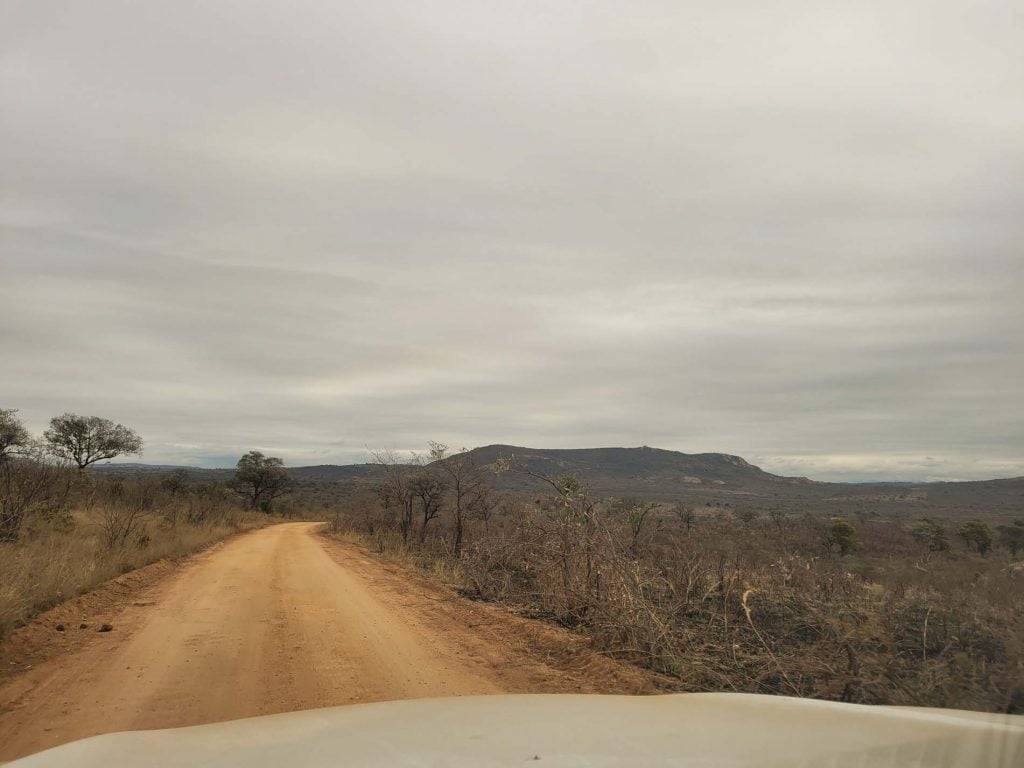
(792, 231)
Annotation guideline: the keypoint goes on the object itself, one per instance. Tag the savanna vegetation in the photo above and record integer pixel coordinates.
(866, 608)
(65, 529)
(862, 606)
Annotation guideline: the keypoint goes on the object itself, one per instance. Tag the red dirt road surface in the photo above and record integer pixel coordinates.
(283, 619)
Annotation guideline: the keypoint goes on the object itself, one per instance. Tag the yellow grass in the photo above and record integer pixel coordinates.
(55, 561)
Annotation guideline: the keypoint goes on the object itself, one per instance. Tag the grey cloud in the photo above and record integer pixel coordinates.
(790, 231)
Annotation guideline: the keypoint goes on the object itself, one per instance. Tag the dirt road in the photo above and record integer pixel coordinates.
(276, 620)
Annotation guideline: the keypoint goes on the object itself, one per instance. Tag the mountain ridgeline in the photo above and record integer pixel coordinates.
(662, 475)
(603, 470)
(643, 466)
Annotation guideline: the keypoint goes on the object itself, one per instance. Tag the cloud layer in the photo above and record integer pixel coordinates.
(791, 231)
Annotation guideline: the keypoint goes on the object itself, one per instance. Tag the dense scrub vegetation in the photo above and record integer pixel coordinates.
(871, 609)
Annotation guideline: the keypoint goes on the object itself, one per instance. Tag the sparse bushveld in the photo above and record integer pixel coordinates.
(63, 530)
(870, 608)
(793, 596)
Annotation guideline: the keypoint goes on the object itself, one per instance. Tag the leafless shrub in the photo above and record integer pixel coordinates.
(739, 602)
(31, 483)
(125, 510)
(100, 530)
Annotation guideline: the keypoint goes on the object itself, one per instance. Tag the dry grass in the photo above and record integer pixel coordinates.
(60, 558)
(755, 605)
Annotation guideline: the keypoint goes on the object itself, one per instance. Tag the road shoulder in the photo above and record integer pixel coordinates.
(526, 655)
(82, 617)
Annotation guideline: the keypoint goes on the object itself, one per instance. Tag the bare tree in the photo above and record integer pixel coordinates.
(483, 503)
(429, 490)
(637, 517)
(175, 482)
(779, 516)
(206, 501)
(125, 512)
(13, 434)
(394, 492)
(29, 482)
(685, 514)
(261, 479)
(575, 517)
(470, 490)
(88, 439)
(745, 515)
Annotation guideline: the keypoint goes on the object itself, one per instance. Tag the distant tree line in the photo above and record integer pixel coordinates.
(38, 474)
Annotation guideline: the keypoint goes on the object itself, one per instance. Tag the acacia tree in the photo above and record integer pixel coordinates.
(85, 440)
(13, 434)
(930, 533)
(976, 535)
(261, 479)
(842, 536)
(1012, 536)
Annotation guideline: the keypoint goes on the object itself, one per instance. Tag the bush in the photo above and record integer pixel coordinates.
(740, 603)
(107, 528)
(977, 535)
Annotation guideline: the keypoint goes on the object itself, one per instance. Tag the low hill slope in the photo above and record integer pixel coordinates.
(635, 470)
(656, 474)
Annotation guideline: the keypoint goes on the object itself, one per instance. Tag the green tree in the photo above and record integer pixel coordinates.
(930, 533)
(1012, 536)
(260, 480)
(976, 535)
(841, 536)
(88, 439)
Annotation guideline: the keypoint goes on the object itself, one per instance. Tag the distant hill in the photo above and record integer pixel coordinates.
(597, 467)
(640, 469)
(136, 469)
(326, 473)
(656, 474)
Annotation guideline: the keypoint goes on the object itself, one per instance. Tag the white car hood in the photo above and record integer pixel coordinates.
(707, 729)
